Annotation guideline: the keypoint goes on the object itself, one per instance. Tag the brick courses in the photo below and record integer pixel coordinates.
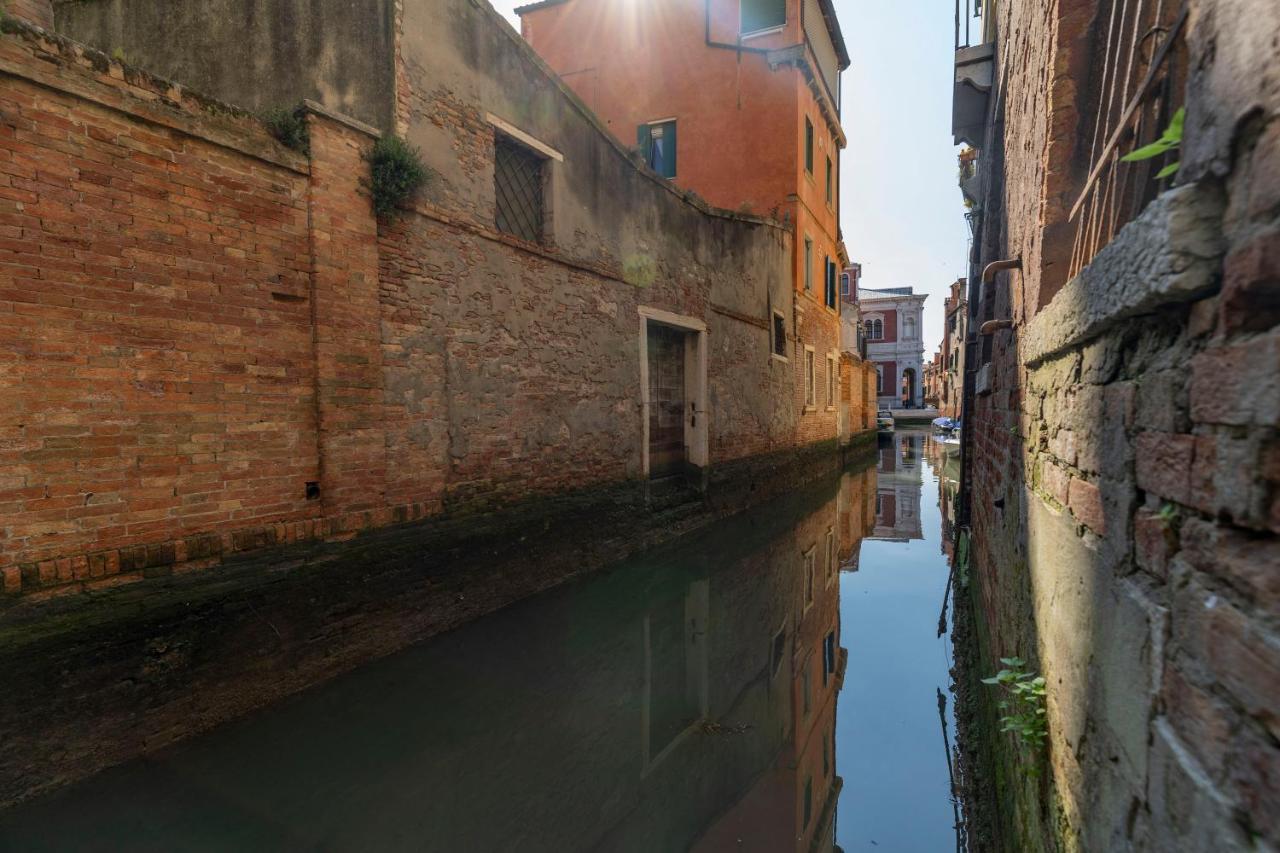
(1121, 471)
(200, 324)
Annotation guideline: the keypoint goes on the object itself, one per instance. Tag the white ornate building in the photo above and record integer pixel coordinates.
(893, 319)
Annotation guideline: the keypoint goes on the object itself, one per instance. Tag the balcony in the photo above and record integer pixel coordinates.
(974, 67)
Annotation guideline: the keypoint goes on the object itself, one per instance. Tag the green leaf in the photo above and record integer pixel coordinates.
(992, 680)
(1146, 152)
(1174, 131)
(1171, 169)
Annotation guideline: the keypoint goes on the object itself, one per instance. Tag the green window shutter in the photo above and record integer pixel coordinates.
(670, 129)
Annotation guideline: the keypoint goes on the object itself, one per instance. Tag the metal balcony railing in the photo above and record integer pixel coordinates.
(1136, 89)
(969, 23)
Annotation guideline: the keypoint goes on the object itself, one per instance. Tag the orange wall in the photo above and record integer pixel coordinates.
(740, 125)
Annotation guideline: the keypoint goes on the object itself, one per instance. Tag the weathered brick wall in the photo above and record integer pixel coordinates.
(156, 335)
(215, 347)
(1122, 472)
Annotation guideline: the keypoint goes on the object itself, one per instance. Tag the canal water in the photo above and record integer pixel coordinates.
(774, 682)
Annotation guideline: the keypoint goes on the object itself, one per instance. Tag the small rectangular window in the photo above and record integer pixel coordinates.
(808, 264)
(829, 180)
(809, 391)
(808, 700)
(831, 554)
(830, 278)
(831, 382)
(779, 334)
(808, 146)
(808, 577)
(517, 186)
(657, 142)
(760, 15)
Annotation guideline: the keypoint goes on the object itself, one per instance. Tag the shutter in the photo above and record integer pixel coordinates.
(671, 149)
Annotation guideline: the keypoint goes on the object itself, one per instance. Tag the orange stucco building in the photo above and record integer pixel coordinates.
(737, 101)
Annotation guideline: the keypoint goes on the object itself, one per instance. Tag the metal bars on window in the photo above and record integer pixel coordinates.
(1137, 87)
(517, 184)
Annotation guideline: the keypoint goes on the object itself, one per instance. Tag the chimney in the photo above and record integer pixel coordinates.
(38, 12)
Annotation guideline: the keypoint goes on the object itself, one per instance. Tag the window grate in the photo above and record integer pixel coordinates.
(517, 180)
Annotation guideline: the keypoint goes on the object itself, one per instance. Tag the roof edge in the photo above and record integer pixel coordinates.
(533, 7)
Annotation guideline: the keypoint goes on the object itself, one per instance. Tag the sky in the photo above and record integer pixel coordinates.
(900, 207)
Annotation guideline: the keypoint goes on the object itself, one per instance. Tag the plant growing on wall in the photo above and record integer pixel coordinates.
(1023, 702)
(396, 173)
(1170, 140)
(289, 127)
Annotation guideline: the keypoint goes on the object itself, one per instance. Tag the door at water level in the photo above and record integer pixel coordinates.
(666, 400)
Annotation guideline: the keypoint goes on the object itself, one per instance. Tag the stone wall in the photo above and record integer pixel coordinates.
(1121, 472)
(288, 369)
(257, 55)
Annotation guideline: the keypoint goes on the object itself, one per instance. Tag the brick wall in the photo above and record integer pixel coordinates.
(158, 390)
(214, 347)
(1122, 463)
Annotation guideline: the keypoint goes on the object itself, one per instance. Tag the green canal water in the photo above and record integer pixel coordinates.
(768, 683)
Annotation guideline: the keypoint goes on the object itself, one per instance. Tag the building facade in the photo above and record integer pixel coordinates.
(739, 103)
(949, 360)
(893, 322)
(1120, 482)
(227, 378)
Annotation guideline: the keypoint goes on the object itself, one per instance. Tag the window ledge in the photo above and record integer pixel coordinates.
(777, 357)
(767, 31)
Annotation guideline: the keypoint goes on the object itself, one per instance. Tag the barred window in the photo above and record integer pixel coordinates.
(517, 184)
(779, 335)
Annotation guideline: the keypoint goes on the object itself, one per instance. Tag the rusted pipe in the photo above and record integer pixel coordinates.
(989, 273)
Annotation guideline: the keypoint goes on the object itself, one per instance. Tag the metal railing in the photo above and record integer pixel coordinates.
(964, 22)
(1137, 88)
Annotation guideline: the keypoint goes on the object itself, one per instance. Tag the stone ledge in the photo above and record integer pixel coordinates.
(1170, 254)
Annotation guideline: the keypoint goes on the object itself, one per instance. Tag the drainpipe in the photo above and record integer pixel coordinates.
(990, 270)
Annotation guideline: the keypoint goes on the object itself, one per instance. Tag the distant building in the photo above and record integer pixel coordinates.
(892, 319)
(767, 141)
(950, 373)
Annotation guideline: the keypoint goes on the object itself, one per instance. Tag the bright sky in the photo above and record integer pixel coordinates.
(902, 215)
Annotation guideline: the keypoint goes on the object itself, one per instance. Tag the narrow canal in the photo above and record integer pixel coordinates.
(773, 682)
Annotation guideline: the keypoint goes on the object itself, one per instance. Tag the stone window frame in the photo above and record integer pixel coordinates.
(808, 587)
(833, 367)
(774, 339)
(810, 379)
(832, 556)
(807, 276)
(776, 660)
(550, 156)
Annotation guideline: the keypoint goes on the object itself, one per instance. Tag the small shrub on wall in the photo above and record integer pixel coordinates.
(396, 173)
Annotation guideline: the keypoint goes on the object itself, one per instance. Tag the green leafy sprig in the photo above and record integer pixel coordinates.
(1023, 705)
(1170, 140)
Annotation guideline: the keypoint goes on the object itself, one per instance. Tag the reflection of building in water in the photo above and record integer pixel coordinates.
(899, 481)
(630, 714)
(946, 465)
(792, 806)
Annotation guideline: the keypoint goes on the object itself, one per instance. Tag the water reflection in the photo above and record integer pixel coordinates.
(686, 700)
(895, 714)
